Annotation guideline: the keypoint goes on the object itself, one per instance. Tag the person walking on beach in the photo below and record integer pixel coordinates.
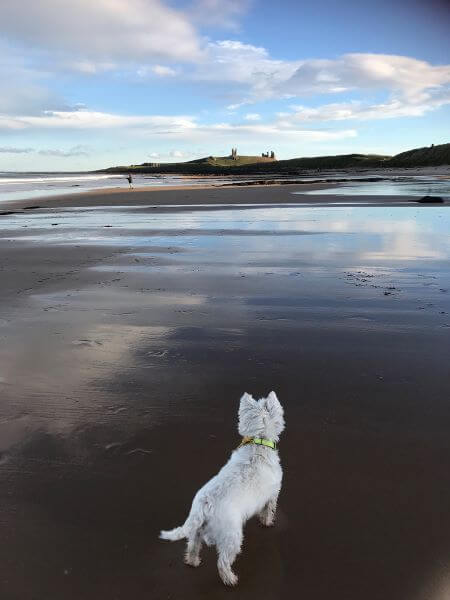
(130, 180)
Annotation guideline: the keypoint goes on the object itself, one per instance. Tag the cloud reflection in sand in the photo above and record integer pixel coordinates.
(95, 331)
(87, 338)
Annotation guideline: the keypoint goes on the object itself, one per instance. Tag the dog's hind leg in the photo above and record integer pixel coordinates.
(194, 545)
(267, 515)
(228, 549)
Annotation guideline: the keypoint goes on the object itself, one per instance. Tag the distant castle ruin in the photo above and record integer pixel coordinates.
(270, 155)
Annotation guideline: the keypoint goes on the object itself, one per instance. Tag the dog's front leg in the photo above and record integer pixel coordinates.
(267, 515)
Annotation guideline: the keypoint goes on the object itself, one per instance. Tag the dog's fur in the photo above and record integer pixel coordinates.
(248, 484)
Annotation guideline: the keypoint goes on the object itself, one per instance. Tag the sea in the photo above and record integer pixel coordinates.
(18, 186)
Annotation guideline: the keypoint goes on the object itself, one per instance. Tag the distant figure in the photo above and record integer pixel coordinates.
(130, 180)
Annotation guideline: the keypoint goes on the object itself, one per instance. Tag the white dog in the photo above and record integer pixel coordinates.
(248, 484)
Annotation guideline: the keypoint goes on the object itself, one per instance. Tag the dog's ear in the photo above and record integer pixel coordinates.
(247, 401)
(272, 405)
(250, 419)
(272, 397)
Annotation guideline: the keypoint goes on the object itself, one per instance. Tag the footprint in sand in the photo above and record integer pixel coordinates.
(90, 343)
(138, 451)
(158, 353)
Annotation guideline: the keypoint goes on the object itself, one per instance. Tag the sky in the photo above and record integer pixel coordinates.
(86, 85)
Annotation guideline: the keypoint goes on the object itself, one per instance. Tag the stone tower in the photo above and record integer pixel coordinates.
(234, 153)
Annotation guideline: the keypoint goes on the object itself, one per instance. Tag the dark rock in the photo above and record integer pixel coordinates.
(31, 207)
(9, 212)
(431, 200)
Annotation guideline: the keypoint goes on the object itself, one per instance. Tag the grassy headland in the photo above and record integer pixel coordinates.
(258, 165)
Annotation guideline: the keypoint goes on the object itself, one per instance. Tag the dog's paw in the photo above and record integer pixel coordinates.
(267, 520)
(193, 561)
(228, 577)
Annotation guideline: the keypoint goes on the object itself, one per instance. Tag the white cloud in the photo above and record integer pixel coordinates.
(248, 75)
(233, 107)
(400, 74)
(252, 117)
(413, 87)
(169, 127)
(104, 30)
(84, 119)
(163, 71)
(231, 61)
(12, 150)
(277, 130)
(88, 67)
(393, 108)
(24, 89)
(219, 13)
(172, 154)
(79, 150)
(112, 35)
(146, 71)
(22, 95)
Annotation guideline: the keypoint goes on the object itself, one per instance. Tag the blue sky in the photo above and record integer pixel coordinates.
(86, 84)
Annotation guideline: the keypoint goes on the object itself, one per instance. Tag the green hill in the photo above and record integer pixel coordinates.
(253, 165)
(259, 165)
(428, 156)
(343, 161)
(227, 161)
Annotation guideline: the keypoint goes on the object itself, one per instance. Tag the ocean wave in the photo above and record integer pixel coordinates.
(6, 178)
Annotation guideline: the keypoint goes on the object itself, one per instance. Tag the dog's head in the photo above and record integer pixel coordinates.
(261, 418)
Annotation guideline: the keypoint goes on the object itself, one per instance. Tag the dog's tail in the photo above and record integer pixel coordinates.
(193, 523)
(174, 534)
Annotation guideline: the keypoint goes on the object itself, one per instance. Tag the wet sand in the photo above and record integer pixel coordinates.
(199, 195)
(127, 336)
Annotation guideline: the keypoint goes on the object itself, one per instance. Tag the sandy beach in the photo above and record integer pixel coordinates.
(129, 328)
(199, 195)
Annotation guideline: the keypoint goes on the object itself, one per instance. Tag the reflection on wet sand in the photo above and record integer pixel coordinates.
(437, 584)
(398, 186)
(124, 350)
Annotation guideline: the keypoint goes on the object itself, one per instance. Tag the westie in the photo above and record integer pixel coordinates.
(248, 484)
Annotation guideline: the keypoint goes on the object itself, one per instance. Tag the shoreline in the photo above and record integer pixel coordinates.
(208, 195)
(267, 188)
(159, 195)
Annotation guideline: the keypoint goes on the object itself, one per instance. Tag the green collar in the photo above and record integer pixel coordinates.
(259, 441)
